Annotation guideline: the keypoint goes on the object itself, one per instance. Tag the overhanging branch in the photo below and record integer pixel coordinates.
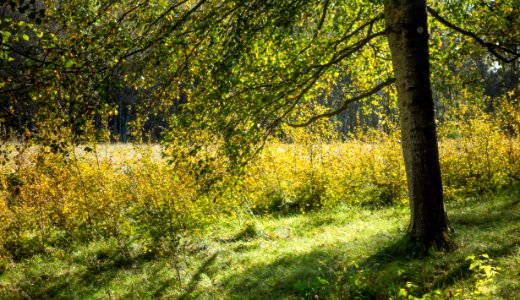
(350, 50)
(21, 53)
(345, 104)
(153, 42)
(322, 19)
(492, 48)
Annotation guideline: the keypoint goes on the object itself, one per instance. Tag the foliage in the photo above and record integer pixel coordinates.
(477, 154)
(236, 69)
(55, 199)
(81, 197)
(483, 274)
(229, 85)
(306, 177)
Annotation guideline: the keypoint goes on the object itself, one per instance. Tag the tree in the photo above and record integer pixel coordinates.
(320, 42)
(405, 26)
(408, 39)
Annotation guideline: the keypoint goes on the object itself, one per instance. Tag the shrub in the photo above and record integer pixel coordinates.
(134, 195)
(482, 158)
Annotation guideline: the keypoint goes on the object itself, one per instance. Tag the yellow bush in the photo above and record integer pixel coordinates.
(477, 156)
(290, 178)
(134, 195)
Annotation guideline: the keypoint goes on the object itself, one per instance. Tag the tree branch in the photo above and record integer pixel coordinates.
(350, 50)
(14, 90)
(322, 19)
(329, 114)
(491, 47)
(177, 24)
(21, 53)
(358, 30)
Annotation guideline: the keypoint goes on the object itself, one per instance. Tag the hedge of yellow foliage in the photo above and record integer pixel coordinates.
(130, 193)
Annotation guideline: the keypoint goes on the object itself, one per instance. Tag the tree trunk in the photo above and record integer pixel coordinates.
(406, 22)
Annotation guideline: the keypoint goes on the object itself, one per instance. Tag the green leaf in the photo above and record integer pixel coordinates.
(25, 37)
(474, 265)
(69, 64)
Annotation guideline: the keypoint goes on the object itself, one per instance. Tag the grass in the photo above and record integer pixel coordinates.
(340, 253)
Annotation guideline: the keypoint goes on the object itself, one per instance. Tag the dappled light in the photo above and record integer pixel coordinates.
(255, 149)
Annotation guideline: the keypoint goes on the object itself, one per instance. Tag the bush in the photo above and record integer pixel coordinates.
(134, 195)
(482, 158)
(54, 200)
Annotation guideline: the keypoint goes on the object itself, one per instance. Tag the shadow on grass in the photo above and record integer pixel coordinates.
(291, 276)
(204, 268)
(485, 214)
(80, 279)
(141, 276)
(491, 228)
(366, 268)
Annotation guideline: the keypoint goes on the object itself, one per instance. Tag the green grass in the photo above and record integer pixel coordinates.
(341, 253)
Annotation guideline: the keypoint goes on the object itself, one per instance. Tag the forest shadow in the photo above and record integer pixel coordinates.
(292, 276)
(203, 269)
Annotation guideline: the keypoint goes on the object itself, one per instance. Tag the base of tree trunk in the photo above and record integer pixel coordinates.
(413, 246)
(421, 244)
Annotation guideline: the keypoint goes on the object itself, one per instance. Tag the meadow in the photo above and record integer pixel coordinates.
(310, 219)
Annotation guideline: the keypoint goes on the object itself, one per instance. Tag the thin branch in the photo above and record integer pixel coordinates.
(126, 13)
(112, 28)
(359, 97)
(488, 6)
(101, 11)
(499, 15)
(335, 43)
(351, 49)
(156, 40)
(310, 83)
(491, 47)
(322, 19)
(7, 111)
(14, 90)
(357, 31)
(42, 62)
(167, 11)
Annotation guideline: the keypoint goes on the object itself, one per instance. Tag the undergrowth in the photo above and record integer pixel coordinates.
(136, 206)
(340, 253)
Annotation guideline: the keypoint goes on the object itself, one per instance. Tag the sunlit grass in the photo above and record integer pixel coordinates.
(329, 253)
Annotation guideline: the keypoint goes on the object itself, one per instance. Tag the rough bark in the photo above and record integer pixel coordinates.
(406, 22)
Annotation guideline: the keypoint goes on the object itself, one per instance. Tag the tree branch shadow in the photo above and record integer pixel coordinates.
(197, 276)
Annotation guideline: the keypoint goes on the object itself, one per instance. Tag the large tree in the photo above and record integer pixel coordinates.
(407, 31)
(278, 57)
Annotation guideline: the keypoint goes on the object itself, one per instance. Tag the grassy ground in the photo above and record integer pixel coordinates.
(341, 253)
